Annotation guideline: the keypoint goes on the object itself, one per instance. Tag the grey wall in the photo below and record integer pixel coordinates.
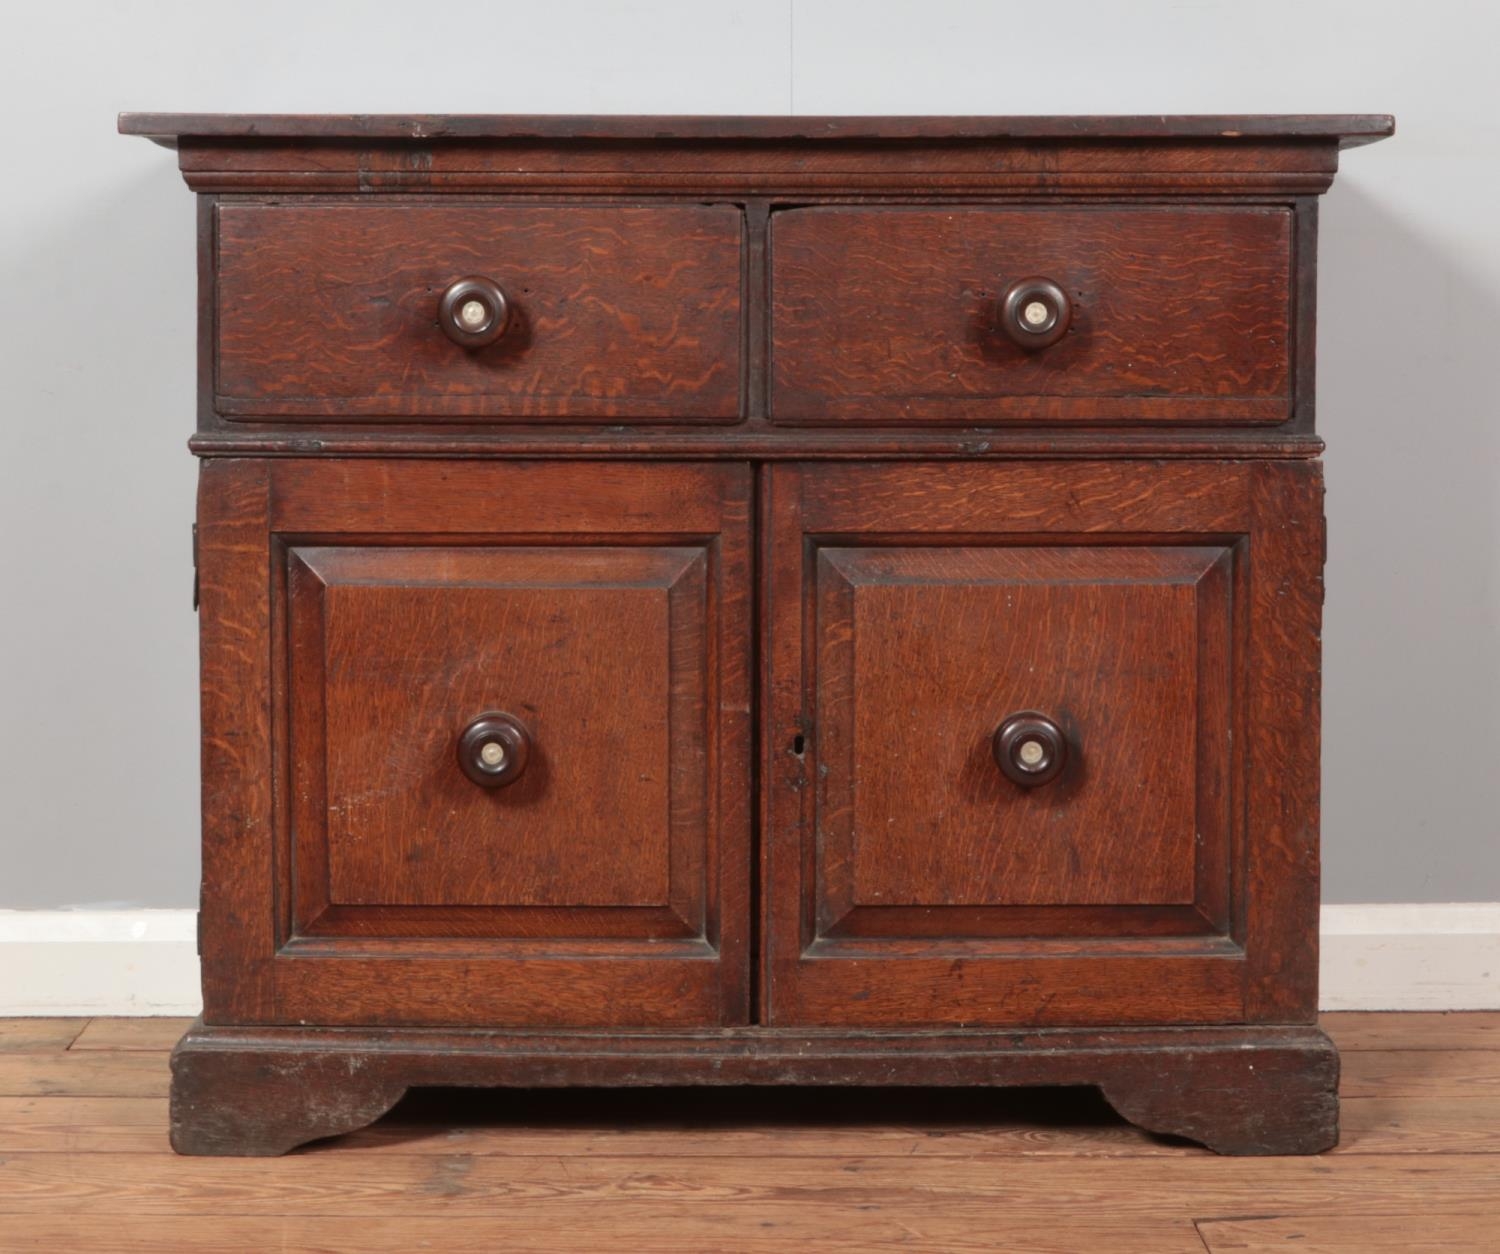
(98, 764)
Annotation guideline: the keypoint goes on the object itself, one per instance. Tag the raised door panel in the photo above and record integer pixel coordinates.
(924, 651)
(603, 611)
(912, 611)
(598, 652)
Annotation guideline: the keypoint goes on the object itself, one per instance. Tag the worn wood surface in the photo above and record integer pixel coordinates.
(891, 315)
(1348, 129)
(264, 1091)
(331, 310)
(727, 1170)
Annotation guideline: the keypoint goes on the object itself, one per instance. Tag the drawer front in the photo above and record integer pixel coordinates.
(1026, 742)
(893, 315)
(513, 719)
(615, 312)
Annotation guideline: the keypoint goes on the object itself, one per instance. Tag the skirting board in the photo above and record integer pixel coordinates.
(144, 962)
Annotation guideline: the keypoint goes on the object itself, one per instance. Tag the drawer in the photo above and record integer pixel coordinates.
(331, 311)
(1166, 315)
(512, 703)
(1014, 716)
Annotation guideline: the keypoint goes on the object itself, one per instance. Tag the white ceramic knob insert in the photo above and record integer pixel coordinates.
(492, 754)
(473, 314)
(1031, 752)
(1036, 313)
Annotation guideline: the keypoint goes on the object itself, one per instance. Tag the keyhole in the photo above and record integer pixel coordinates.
(799, 744)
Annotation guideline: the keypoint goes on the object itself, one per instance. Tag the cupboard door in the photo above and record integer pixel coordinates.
(509, 729)
(1041, 743)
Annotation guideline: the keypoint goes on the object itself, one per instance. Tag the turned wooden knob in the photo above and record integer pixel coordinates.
(493, 749)
(1030, 748)
(473, 311)
(1035, 312)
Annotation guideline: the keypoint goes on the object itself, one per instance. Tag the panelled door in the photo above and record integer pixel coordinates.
(1040, 742)
(507, 713)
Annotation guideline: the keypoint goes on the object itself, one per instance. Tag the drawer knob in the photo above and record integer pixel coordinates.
(492, 750)
(473, 311)
(1030, 748)
(1035, 312)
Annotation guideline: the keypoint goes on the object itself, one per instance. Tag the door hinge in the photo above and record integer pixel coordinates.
(195, 567)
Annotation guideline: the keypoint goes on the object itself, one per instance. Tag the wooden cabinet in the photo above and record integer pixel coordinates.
(773, 601)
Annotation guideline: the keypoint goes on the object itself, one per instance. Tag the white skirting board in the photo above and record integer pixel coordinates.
(143, 962)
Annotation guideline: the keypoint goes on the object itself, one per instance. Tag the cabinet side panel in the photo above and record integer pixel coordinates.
(1283, 688)
(234, 640)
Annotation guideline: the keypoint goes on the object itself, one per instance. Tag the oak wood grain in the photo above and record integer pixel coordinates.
(892, 315)
(913, 526)
(332, 310)
(457, 585)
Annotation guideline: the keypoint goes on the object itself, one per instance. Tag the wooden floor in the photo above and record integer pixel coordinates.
(84, 1165)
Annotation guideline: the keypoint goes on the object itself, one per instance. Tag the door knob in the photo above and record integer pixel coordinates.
(493, 749)
(1030, 748)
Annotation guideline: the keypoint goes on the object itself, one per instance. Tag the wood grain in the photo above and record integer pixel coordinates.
(600, 652)
(1422, 1073)
(114, 1033)
(910, 527)
(816, 1124)
(892, 315)
(1127, 1190)
(1240, 1090)
(1417, 1233)
(1348, 129)
(712, 1228)
(41, 1034)
(1106, 639)
(83, 1073)
(1408, 1030)
(332, 309)
(457, 585)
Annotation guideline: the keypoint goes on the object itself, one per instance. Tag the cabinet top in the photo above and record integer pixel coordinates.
(1347, 130)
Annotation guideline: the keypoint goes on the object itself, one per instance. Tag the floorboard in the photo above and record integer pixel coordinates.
(84, 1162)
(116, 1033)
(19, 1036)
(1352, 1234)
